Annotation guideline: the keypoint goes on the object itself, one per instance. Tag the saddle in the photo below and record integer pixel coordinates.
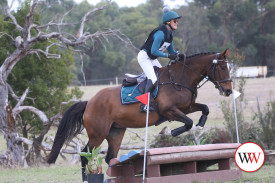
(140, 80)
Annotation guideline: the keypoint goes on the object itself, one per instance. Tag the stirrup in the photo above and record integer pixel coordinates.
(143, 108)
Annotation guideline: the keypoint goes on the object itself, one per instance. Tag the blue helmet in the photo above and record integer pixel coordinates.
(169, 15)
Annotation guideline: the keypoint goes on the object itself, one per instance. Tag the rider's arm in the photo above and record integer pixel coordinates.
(158, 39)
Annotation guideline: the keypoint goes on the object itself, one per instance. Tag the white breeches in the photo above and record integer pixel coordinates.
(147, 65)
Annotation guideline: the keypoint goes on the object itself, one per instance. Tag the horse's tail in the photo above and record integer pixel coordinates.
(70, 125)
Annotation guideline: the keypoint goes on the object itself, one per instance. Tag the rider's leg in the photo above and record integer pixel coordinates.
(156, 63)
(148, 88)
(147, 66)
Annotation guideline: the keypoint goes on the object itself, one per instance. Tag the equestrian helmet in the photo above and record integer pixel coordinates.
(169, 15)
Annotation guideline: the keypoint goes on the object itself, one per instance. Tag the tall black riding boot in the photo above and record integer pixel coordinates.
(149, 88)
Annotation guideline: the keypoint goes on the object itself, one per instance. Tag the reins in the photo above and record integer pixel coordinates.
(172, 81)
(179, 86)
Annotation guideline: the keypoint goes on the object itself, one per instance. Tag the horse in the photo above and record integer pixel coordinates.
(104, 116)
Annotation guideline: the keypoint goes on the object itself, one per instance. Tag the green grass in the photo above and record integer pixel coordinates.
(71, 173)
(61, 172)
(265, 174)
(41, 174)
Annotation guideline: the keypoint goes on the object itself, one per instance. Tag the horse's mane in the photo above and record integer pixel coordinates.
(200, 54)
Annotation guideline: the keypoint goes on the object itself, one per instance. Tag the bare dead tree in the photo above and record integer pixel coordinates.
(14, 156)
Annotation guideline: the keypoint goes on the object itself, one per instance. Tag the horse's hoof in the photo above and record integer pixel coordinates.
(195, 128)
(199, 127)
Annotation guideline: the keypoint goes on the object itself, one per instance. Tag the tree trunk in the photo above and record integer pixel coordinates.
(225, 25)
(8, 127)
(263, 60)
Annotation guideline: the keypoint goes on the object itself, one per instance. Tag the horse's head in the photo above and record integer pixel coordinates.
(219, 73)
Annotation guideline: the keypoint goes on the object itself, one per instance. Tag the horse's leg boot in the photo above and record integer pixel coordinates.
(202, 121)
(178, 131)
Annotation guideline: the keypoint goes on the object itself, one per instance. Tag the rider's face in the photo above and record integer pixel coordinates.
(174, 23)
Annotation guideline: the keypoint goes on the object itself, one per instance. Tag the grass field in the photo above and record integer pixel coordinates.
(66, 172)
(71, 174)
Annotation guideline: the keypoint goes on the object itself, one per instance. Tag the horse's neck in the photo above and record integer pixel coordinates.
(195, 71)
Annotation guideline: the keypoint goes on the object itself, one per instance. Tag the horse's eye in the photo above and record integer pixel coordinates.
(223, 68)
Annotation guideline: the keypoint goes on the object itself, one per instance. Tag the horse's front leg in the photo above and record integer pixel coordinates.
(205, 111)
(178, 115)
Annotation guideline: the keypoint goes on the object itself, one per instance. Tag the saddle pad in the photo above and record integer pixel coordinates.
(128, 94)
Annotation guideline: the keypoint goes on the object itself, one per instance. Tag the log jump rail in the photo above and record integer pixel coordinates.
(180, 164)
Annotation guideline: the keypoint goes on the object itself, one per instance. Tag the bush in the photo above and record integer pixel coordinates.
(169, 141)
(266, 122)
(260, 131)
(227, 107)
(212, 136)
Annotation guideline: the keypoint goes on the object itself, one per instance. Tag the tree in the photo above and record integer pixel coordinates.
(22, 40)
(267, 35)
(244, 24)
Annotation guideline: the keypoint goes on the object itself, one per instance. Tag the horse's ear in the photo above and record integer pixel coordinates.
(225, 53)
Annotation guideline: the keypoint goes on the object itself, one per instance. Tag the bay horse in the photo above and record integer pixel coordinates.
(104, 116)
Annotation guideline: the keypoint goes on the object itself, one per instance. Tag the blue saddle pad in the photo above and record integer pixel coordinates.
(128, 94)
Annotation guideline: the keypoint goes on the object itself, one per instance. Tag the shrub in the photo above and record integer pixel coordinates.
(261, 130)
(211, 136)
(266, 122)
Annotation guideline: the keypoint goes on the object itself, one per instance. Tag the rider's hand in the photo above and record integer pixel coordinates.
(181, 55)
(172, 56)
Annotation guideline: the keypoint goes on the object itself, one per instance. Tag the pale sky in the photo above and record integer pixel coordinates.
(129, 3)
(133, 3)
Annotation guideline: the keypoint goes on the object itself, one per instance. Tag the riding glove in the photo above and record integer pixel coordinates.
(182, 55)
(172, 56)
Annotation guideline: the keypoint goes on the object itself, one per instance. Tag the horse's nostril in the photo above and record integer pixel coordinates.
(228, 92)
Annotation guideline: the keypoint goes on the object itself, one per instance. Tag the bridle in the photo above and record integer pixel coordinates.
(213, 69)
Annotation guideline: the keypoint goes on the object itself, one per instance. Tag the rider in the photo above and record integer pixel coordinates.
(157, 42)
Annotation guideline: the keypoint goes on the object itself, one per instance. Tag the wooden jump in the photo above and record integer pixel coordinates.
(176, 165)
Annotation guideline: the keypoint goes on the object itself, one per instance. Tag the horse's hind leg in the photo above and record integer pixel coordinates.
(84, 162)
(205, 111)
(91, 144)
(114, 139)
